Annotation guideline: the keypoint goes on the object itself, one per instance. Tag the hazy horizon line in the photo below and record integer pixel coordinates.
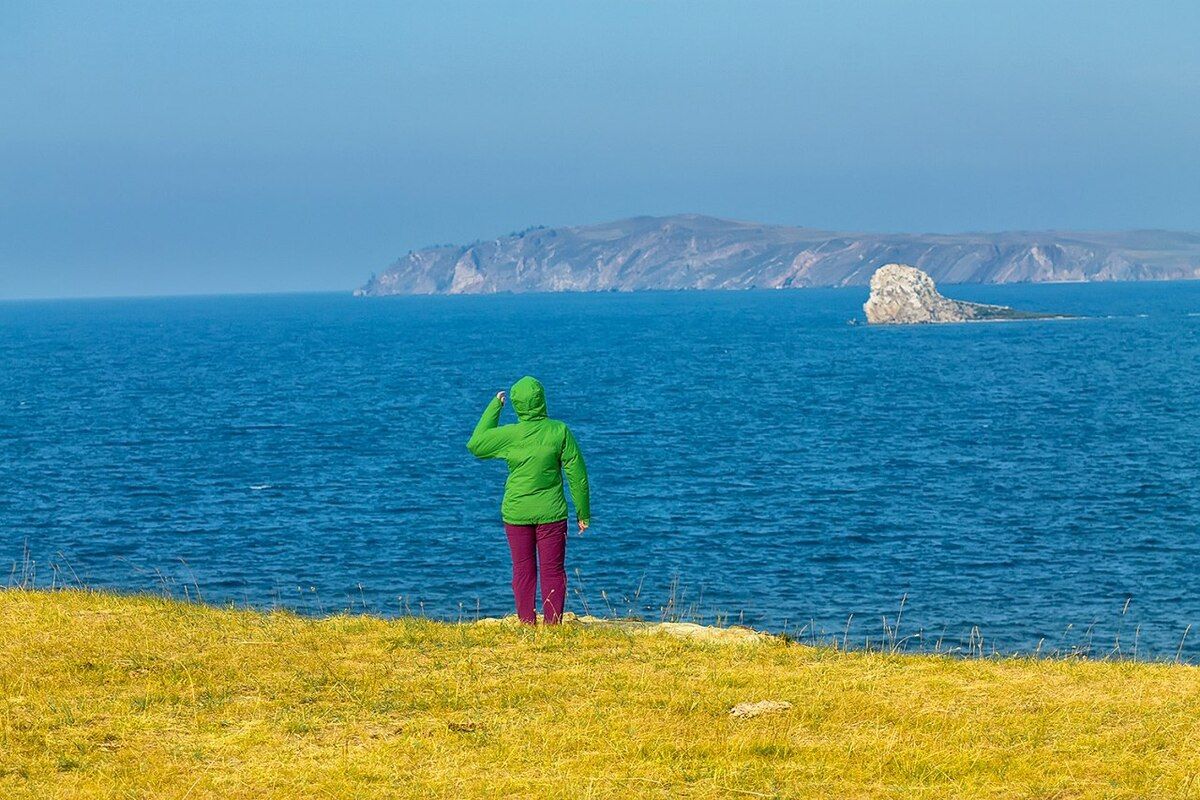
(508, 293)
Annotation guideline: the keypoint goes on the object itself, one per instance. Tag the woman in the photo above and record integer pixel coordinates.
(538, 450)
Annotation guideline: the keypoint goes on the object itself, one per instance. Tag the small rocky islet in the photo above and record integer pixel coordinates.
(904, 295)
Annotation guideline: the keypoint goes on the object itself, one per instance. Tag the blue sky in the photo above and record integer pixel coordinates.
(162, 148)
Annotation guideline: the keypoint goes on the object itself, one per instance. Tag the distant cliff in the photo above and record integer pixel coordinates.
(696, 252)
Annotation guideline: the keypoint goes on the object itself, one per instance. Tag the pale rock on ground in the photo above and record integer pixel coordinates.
(734, 634)
(750, 710)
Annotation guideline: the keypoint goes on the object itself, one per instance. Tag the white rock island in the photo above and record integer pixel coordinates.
(904, 295)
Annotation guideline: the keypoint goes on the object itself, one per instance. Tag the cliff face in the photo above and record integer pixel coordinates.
(903, 295)
(696, 252)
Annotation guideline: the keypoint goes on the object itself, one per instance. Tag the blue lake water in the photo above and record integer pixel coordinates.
(753, 450)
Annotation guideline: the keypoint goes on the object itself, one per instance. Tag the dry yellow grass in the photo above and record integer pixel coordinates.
(110, 696)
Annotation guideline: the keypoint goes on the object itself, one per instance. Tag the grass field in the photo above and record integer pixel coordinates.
(112, 696)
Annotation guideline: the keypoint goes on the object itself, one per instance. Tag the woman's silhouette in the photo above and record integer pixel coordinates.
(538, 451)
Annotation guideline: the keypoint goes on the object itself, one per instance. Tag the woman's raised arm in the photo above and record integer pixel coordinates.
(488, 439)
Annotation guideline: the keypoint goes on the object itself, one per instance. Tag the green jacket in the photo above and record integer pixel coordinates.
(538, 450)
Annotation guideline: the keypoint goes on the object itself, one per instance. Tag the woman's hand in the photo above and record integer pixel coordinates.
(583, 525)
(501, 396)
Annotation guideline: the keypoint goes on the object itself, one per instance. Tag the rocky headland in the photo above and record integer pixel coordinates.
(904, 295)
(690, 251)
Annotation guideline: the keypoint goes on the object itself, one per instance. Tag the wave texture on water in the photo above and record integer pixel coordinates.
(749, 449)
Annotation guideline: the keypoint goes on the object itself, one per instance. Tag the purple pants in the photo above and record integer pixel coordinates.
(535, 546)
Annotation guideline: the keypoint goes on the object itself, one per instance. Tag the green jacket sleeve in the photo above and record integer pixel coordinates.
(577, 477)
(488, 440)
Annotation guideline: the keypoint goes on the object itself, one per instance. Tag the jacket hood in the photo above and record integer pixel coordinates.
(528, 399)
